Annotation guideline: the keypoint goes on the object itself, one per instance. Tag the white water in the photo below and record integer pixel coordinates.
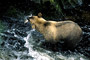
(35, 52)
(37, 55)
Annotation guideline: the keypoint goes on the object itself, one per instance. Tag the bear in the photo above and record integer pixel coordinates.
(67, 32)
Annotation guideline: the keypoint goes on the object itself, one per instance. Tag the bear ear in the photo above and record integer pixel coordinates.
(39, 15)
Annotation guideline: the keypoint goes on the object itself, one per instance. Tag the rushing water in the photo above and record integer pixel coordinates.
(23, 43)
(48, 55)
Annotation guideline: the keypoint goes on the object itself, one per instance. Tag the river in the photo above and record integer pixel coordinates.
(21, 42)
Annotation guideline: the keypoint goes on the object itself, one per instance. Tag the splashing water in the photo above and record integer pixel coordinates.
(37, 55)
(27, 38)
(47, 55)
(34, 50)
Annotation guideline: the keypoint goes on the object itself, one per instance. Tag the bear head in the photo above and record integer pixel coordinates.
(35, 20)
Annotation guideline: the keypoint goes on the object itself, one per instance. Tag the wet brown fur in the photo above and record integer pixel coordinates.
(64, 31)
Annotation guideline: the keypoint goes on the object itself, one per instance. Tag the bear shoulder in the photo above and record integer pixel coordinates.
(61, 23)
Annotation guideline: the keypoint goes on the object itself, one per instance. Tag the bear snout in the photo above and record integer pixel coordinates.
(28, 18)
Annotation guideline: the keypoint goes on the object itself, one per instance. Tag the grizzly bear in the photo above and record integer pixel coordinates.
(67, 32)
